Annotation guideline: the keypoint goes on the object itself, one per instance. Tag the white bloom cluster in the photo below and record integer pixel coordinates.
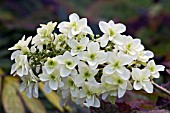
(79, 65)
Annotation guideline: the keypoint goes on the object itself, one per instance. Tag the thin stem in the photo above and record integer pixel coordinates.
(161, 88)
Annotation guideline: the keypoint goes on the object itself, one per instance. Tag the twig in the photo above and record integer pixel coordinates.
(161, 88)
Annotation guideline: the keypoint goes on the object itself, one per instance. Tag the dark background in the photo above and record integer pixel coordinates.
(148, 20)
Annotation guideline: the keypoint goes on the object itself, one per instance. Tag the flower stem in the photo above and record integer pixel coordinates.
(161, 88)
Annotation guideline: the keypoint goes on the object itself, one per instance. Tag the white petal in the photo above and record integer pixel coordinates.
(94, 67)
(148, 87)
(35, 90)
(149, 54)
(160, 67)
(90, 101)
(65, 93)
(101, 57)
(120, 28)
(136, 73)
(53, 84)
(118, 39)
(129, 86)
(47, 89)
(87, 30)
(104, 40)
(96, 102)
(74, 93)
(82, 94)
(123, 85)
(120, 69)
(22, 86)
(92, 62)
(93, 47)
(121, 92)
(73, 17)
(61, 84)
(108, 69)
(82, 22)
(49, 70)
(137, 85)
(156, 75)
(112, 57)
(72, 43)
(104, 95)
(29, 94)
(61, 59)
(15, 54)
(84, 41)
(43, 77)
(64, 71)
(79, 80)
(104, 27)
(70, 35)
(75, 31)
(13, 68)
(20, 71)
(125, 59)
(125, 75)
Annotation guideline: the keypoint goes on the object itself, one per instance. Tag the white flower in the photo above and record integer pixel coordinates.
(51, 64)
(30, 84)
(154, 69)
(107, 89)
(76, 46)
(22, 45)
(52, 81)
(111, 32)
(21, 66)
(15, 54)
(59, 41)
(68, 63)
(85, 73)
(70, 87)
(144, 56)
(141, 80)
(75, 26)
(130, 46)
(93, 55)
(44, 35)
(117, 64)
(89, 91)
(122, 85)
(46, 30)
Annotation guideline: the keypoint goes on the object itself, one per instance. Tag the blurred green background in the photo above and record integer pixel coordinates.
(148, 20)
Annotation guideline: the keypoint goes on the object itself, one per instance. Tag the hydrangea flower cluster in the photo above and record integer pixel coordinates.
(82, 66)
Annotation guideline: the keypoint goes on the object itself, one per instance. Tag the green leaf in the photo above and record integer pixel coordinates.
(112, 99)
(33, 104)
(52, 97)
(10, 100)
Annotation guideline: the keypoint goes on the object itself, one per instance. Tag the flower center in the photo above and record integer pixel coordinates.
(116, 64)
(51, 63)
(92, 56)
(119, 81)
(79, 48)
(86, 74)
(69, 63)
(52, 77)
(112, 33)
(151, 68)
(128, 46)
(74, 24)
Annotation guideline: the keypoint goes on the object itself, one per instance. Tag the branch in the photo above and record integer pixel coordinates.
(161, 88)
